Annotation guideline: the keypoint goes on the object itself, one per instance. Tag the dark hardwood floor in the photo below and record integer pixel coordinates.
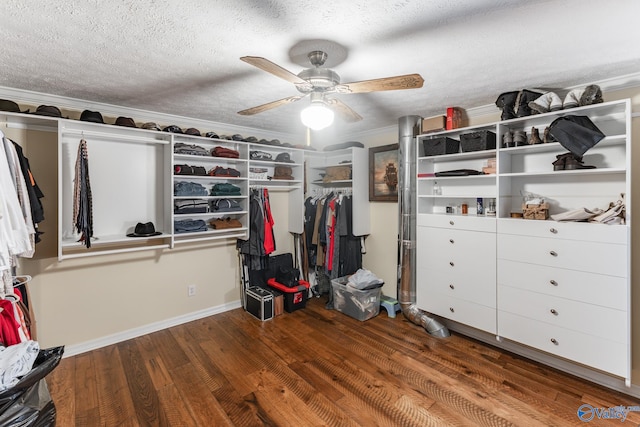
(316, 367)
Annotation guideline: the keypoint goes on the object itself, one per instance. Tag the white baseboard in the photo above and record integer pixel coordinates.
(75, 349)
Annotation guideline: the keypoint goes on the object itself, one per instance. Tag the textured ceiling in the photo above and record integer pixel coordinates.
(182, 57)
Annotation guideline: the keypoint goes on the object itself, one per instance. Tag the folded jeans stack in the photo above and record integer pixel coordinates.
(185, 188)
(189, 226)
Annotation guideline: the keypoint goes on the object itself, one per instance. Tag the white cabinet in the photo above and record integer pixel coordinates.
(456, 269)
(560, 287)
(357, 186)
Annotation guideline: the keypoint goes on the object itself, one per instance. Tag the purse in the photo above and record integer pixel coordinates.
(576, 133)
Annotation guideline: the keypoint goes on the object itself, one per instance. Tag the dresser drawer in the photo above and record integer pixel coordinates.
(473, 286)
(468, 250)
(572, 315)
(565, 230)
(592, 288)
(457, 222)
(599, 353)
(594, 257)
(468, 313)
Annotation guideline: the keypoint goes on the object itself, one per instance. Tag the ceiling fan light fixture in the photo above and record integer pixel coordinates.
(317, 116)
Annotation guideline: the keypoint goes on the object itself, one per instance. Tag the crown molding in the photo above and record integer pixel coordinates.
(22, 96)
(27, 97)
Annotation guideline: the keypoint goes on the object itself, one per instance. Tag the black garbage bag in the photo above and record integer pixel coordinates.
(28, 403)
(576, 133)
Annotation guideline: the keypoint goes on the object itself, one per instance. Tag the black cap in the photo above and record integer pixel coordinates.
(91, 116)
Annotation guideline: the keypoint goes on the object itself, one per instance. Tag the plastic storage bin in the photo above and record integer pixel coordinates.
(361, 305)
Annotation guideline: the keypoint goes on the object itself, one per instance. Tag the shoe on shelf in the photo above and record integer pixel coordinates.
(507, 139)
(520, 138)
(547, 137)
(572, 162)
(569, 161)
(535, 136)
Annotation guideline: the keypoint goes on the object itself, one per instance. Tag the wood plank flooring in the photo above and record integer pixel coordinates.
(316, 367)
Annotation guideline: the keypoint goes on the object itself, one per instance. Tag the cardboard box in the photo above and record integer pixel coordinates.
(454, 118)
(434, 124)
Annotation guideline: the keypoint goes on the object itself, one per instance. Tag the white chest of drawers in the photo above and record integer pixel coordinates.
(456, 275)
(563, 289)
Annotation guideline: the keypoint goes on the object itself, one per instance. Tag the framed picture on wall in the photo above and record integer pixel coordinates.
(383, 173)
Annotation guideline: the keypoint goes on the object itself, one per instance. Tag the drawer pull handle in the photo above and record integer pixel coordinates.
(553, 253)
(555, 341)
(451, 263)
(451, 309)
(452, 287)
(553, 282)
(451, 241)
(554, 312)
(451, 223)
(553, 230)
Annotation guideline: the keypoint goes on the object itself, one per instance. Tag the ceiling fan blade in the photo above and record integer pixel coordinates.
(343, 110)
(270, 105)
(276, 70)
(407, 81)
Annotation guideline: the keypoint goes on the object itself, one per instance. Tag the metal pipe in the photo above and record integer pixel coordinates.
(409, 127)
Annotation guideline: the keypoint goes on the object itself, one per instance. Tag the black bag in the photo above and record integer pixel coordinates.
(576, 133)
(288, 276)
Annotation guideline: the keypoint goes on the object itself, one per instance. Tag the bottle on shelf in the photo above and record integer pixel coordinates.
(437, 190)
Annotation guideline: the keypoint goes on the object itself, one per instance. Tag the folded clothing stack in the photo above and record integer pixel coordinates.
(187, 206)
(225, 205)
(192, 149)
(225, 189)
(224, 152)
(221, 224)
(185, 188)
(189, 226)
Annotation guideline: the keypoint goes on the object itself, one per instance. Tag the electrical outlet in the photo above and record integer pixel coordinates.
(191, 290)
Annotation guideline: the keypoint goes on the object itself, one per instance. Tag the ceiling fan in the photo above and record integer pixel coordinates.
(318, 82)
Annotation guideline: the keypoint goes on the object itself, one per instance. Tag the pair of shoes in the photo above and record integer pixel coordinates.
(550, 101)
(516, 103)
(588, 95)
(507, 139)
(569, 161)
(520, 138)
(535, 136)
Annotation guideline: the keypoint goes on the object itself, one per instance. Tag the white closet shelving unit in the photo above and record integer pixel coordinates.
(209, 163)
(358, 186)
(559, 287)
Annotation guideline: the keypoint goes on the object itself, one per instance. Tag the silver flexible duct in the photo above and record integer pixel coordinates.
(409, 127)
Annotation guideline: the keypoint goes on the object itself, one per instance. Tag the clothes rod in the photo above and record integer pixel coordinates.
(111, 136)
(113, 251)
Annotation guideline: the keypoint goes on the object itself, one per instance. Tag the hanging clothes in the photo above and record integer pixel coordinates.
(269, 237)
(33, 190)
(82, 200)
(17, 233)
(331, 244)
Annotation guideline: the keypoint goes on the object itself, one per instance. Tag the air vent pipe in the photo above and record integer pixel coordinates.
(409, 127)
